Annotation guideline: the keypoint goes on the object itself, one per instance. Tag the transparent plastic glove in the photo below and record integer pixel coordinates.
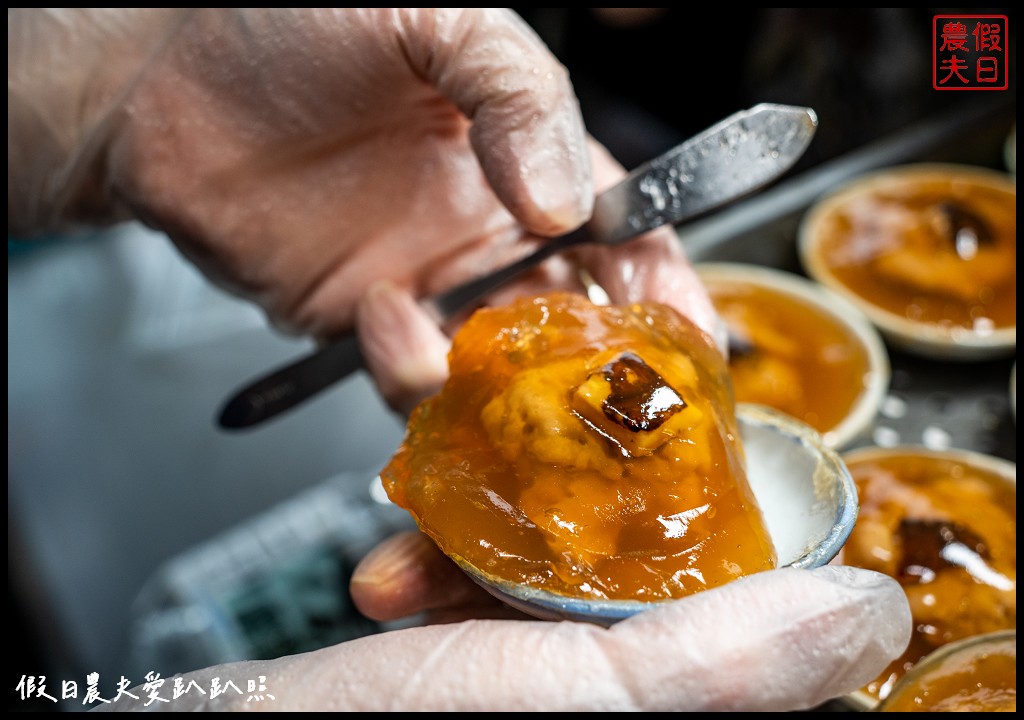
(781, 640)
(300, 155)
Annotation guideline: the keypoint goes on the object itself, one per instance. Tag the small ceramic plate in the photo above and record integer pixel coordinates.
(927, 252)
(976, 674)
(803, 488)
(943, 522)
(805, 350)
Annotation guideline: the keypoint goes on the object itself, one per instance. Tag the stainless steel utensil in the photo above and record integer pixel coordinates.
(729, 160)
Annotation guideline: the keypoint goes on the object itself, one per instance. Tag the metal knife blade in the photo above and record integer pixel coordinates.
(729, 160)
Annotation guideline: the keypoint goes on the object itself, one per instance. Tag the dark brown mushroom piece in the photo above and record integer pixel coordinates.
(931, 545)
(640, 399)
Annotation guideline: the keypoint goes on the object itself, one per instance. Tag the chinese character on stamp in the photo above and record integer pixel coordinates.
(969, 52)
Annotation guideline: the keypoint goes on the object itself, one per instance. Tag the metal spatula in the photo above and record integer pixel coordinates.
(739, 155)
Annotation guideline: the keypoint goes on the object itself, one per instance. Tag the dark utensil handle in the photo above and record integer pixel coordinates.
(459, 298)
(298, 381)
(292, 384)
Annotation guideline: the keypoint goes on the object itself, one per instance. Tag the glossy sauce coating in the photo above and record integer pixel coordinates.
(789, 355)
(981, 677)
(591, 451)
(947, 532)
(929, 248)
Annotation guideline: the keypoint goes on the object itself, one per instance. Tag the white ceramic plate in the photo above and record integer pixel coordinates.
(955, 660)
(926, 339)
(860, 700)
(860, 417)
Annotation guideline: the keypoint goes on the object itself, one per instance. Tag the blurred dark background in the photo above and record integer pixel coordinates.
(119, 353)
(648, 78)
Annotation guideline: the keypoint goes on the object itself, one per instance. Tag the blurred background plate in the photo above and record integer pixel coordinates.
(119, 352)
(927, 251)
(798, 347)
(976, 674)
(943, 524)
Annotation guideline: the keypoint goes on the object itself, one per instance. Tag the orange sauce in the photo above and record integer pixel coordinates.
(789, 355)
(947, 531)
(591, 451)
(980, 677)
(934, 248)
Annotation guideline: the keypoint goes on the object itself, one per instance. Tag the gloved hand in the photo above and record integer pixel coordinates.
(775, 641)
(331, 164)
